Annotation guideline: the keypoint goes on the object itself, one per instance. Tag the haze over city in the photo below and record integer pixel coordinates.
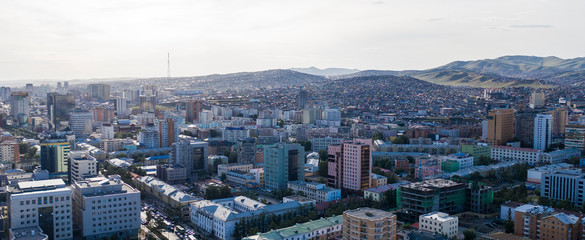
(67, 40)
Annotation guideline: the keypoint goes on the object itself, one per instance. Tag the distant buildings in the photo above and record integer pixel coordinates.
(224, 168)
(171, 174)
(98, 91)
(58, 108)
(575, 137)
(81, 123)
(369, 224)
(19, 107)
(246, 150)
(235, 134)
(193, 109)
(303, 99)
(536, 100)
(147, 103)
(283, 162)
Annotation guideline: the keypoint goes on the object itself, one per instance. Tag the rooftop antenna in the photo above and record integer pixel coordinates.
(169, 66)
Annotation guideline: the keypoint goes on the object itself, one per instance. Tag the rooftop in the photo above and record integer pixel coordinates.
(28, 233)
(431, 184)
(443, 217)
(299, 229)
(371, 214)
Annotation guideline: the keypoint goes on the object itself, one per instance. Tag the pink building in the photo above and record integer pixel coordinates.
(350, 165)
(425, 167)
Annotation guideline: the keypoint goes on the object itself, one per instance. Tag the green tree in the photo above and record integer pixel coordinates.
(469, 234)
(323, 168)
(401, 140)
(307, 144)
(378, 136)
(323, 155)
(509, 226)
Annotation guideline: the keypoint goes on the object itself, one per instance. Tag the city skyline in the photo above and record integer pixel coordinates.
(84, 40)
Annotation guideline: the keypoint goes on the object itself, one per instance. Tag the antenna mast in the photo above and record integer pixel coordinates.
(169, 65)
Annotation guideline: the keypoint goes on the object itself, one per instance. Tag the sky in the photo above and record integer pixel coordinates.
(79, 39)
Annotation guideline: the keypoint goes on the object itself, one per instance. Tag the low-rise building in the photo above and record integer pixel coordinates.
(368, 223)
(177, 200)
(224, 168)
(525, 155)
(258, 176)
(104, 207)
(534, 175)
(317, 191)
(241, 178)
(378, 180)
(438, 222)
(327, 228)
(83, 166)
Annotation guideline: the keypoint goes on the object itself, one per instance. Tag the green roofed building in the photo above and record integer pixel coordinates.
(326, 228)
(434, 195)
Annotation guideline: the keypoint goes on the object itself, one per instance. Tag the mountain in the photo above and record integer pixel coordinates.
(325, 72)
(244, 80)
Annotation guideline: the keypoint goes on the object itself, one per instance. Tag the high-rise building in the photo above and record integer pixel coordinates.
(148, 137)
(350, 165)
(19, 106)
(500, 126)
(560, 119)
(191, 154)
(303, 98)
(431, 195)
(98, 91)
(107, 131)
(58, 108)
(147, 103)
(45, 204)
(81, 123)
(4, 93)
(369, 224)
(235, 134)
(536, 100)
(283, 162)
(575, 137)
(247, 150)
(524, 127)
(106, 207)
(54, 156)
(542, 131)
(193, 110)
(122, 106)
(82, 166)
(168, 132)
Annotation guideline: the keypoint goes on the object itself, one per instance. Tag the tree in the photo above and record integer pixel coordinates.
(323, 155)
(378, 136)
(509, 226)
(323, 168)
(469, 234)
(307, 144)
(214, 133)
(401, 140)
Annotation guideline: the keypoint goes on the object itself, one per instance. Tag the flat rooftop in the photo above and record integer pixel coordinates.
(431, 184)
(371, 214)
(51, 183)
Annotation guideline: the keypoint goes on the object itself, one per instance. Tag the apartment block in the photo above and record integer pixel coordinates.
(350, 165)
(441, 223)
(431, 195)
(564, 185)
(368, 223)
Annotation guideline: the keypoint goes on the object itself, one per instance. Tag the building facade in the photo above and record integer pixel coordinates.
(368, 224)
(283, 162)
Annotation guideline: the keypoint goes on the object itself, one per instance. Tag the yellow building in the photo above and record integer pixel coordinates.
(368, 223)
(500, 126)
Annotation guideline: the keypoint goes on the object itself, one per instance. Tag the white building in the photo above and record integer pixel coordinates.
(564, 185)
(235, 134)
(438, 222)
(107, 131)
(104, 207)
(83, 165)
(465, 160)
(122, 106)
(146, 118)
(525, 155)
(542, 131)
(559, 156)
(318, 191)
(81, 123)
(220, 216)
(40, 203)
(258, 176)
(148, 137)
(536, 100)
(534, 175)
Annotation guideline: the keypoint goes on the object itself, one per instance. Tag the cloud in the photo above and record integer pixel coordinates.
(531, 26)
(435, 19)
(378, 2)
